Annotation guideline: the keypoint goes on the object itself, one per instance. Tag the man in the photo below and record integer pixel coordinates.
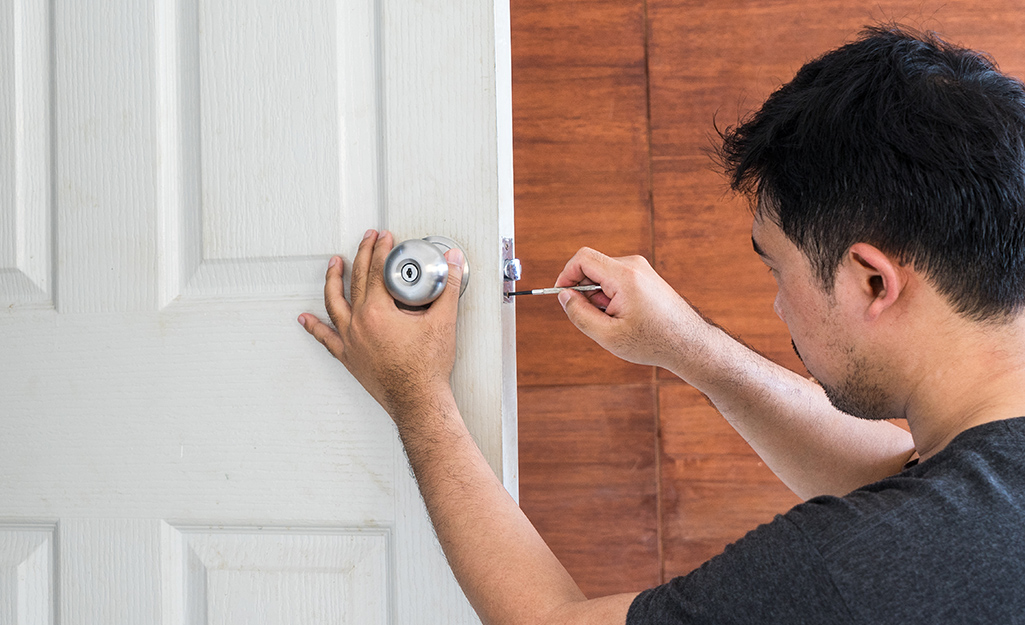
(889, 181)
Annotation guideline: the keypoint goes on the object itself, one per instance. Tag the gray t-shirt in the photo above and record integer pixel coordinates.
(940, 542)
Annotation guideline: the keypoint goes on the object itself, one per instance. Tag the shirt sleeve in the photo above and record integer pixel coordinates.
(772, 575)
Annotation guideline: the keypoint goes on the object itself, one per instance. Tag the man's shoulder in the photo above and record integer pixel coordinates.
(954, 519)
(978, 477)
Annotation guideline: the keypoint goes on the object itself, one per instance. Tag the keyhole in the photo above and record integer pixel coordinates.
(410, 272)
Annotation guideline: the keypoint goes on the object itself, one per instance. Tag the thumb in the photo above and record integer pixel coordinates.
(449, 298)
(583, 314)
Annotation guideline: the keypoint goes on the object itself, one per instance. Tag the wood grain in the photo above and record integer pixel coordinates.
(588, 481)
(714, 487)
(710, 63)
(581, 168)
(590, 79)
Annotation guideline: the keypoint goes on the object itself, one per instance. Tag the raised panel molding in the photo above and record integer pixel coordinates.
(270, 140)
(27, 574)
(215, 576)
(25, 151)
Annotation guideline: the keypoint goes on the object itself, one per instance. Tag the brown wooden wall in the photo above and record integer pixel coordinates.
(628, 473)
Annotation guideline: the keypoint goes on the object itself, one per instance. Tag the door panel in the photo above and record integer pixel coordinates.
(27, 574)
(280, 102)
(247, 575)
(25, 151)
(173, 447)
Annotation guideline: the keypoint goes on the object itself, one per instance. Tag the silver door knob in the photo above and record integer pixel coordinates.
(416, 271)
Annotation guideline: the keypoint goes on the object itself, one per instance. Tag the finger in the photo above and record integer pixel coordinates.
(585, 266)
(334, 294)
(361, 267)
(375, 279)
(583, 314)
(598, 298)
(323, 333)
(448, 302)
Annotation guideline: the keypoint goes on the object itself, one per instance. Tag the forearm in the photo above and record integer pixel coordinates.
(404, 360)
(788, 420)
(506, 570)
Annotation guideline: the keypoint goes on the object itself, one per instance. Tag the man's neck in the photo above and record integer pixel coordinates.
(973, 374)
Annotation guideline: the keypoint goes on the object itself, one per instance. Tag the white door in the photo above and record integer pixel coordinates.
(174, 175)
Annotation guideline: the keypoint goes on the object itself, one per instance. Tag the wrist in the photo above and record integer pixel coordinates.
(425, 426)
(422, 404)
(699, 353)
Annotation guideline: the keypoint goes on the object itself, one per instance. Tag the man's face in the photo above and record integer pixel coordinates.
(819, 331)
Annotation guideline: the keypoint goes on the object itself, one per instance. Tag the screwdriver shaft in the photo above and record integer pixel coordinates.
(558, 289)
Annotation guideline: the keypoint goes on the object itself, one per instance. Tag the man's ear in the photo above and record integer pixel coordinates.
(877, 276)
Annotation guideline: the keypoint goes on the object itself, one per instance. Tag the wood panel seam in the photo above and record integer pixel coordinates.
(659, 518)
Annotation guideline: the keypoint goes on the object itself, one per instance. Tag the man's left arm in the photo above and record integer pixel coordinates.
(405, 359)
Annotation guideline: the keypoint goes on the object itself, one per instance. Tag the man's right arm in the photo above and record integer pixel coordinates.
(788, 420)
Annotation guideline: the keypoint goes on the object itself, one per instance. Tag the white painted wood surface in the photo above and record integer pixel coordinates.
(174, 176)
(26, 574)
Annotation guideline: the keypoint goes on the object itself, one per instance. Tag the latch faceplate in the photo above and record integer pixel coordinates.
(511, 269)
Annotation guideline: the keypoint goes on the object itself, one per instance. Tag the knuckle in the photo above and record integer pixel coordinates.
(582, 253)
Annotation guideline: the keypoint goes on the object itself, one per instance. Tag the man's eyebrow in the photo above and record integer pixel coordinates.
(758, 250)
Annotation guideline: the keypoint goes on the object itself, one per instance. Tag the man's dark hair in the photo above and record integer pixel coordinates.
(903, 141)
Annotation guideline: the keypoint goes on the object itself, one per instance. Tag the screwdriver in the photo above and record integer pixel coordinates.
(558, 289)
